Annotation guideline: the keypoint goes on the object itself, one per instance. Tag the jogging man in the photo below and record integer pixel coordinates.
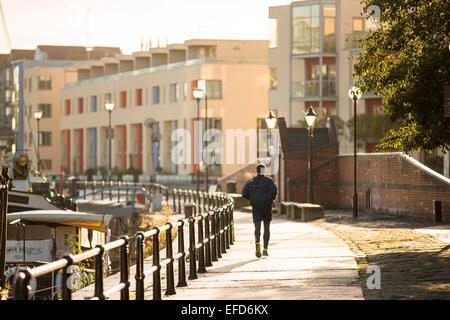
(262, 192)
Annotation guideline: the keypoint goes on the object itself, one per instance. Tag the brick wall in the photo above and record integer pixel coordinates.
(387, 182)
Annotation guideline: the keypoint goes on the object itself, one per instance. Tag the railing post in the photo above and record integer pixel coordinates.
(208, 262)
(119, 185)
(201, 250)
(182, 260)
(84, 189)
(213, 232)
(139, 266)
(227, 226)
(174, 201)
(98, 262)
(217, 238)
(110, 190)
(93, 190)
(167, 196)
(126, 190)
(103, 188)
(156, 263)
(222, 237)
(22, 285)
(192, 257)
(179, 201)
(124, 269)
(169, 267)
(66, 293)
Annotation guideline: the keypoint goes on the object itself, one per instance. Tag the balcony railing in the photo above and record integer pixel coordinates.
(311, 88)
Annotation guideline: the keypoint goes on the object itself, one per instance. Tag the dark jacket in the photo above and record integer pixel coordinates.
(261, 191)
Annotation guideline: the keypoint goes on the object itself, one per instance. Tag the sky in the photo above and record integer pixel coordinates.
(126, 23)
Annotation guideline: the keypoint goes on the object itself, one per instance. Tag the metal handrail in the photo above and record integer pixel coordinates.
(215, 235)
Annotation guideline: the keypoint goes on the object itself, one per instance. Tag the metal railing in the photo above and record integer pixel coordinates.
(215, 234)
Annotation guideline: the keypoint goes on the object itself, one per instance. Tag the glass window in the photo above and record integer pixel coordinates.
(305, 29)
(139, 97)
(273, 78)
(213, 88)
(44, 82)
(94, 103)
(273, 40)
(67, 107)
(46, 138)
(123, 99)
(329, 28)
(46, 110)
(357, 24)
(80, 105)
(156, 95)
(174, 92)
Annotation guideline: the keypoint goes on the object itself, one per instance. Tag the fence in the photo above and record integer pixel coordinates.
(215, 229)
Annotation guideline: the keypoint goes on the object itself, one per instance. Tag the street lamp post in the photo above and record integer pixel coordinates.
(310, 118)
(109, 106)
(355, 94)
(38, 115)
(206, 129)
(271, 122)
(198, 94)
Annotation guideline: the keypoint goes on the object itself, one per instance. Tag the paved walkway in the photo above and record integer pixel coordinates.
(305, 262)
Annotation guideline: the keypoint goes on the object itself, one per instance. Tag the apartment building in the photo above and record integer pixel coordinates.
(32, 81)
(157, 86)
(310, 60)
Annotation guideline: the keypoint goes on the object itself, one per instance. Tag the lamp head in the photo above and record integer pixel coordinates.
(198, 93)
(38, 114)
(109, 105)
(271, 120)
(354, 93)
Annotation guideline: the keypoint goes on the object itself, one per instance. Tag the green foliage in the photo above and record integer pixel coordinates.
(371, 128)
(407, 62)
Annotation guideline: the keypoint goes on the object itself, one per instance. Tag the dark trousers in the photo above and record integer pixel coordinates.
(262, 214)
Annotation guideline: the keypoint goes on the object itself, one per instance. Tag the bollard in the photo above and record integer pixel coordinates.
(124, 269)
(192, 257)
(103, 188)
(174, 201)
(222, 234)
(182, 260)
(179, 200)
(22, 285)
(227, 226)
(169, 267)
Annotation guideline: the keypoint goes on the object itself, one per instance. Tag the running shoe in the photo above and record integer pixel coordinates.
(258, 250)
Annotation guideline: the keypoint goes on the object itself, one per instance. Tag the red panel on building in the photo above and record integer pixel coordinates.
(139, 97)
(139, 146)
(123, 99)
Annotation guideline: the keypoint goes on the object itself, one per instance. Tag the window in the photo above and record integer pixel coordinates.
(174, 92)
(94, 103)
(357, 24)
(185, 91)
(273, 40)
(156, 95)
(139, 97)
(213, 88)
(80, 105)
(46, 138)
(123, 99)
(46, 110)
(46, 164)
(273, 78)
(44, 83)
(329, 28)
(305, 29)
(67, 107)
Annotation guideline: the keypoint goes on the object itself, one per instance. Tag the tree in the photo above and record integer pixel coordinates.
(371, 128)
(406, 61)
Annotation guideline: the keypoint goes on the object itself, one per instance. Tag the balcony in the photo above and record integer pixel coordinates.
(311, 88)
